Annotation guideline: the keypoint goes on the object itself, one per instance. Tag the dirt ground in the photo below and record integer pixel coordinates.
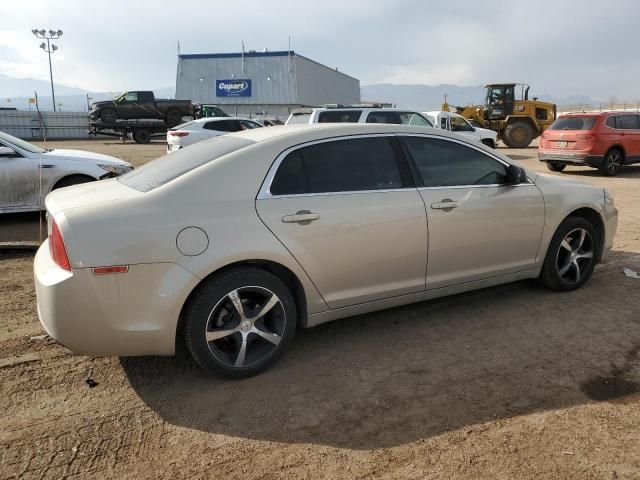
(508, 382)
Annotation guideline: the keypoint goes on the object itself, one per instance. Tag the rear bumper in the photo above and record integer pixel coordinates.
(134, 313)
(577, 158)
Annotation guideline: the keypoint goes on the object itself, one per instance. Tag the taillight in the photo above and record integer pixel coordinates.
(587, 138)
(57, 248)
(178, 134)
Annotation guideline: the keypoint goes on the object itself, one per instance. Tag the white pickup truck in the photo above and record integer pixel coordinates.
(457, 123)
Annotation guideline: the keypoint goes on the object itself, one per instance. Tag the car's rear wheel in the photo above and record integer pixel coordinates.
(571, 256)
(142, 136)
(108, 115)
(612, 162)
(240, 322)
(556, 166)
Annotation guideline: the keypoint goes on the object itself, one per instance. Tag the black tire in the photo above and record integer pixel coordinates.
(612, 162)
(518, 134)
(108, 115)
(556, 166)
(142, 136)
(72, 180)
(174, 117)
(212, 311)
(559, 256)
(489, 143)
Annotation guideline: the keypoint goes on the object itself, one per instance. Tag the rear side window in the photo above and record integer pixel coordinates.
(611, 122)
(573, 123)
(223, 126)
(338, 166)
(413, 118)
(443, 163)
(339, 116)
(627, 122)
(164, 169)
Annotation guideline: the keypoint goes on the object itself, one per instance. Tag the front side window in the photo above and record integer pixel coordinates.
(339, 166)
(246, 125)
(459, 124)
(413, 118)
(444, 163)
(339, 116)
(131, 97)
(627, 122)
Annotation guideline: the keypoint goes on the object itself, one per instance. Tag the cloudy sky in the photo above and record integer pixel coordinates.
(561, 47)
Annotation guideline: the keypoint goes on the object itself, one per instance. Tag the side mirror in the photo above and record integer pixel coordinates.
(516, 175)
(7, 152)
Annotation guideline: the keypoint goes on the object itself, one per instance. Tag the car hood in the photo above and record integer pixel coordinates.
(485, 132)
(104, 103)
(84, 156)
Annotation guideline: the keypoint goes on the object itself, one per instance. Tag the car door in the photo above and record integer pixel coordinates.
(479, 227)
(347, 211)
(629, 131)
(18, 181)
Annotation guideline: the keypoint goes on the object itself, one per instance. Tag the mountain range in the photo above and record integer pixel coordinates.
(15, 92)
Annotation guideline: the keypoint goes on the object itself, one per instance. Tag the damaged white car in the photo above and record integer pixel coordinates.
(28, 172)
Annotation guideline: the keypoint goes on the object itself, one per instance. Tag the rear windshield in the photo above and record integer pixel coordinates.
(298, 118)
(573, 123)
(183, 125)
(164, 169)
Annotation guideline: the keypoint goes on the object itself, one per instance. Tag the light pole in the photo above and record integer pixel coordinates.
(49, 48)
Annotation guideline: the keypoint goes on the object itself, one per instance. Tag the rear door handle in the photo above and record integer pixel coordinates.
(302, 216)
(446, 204)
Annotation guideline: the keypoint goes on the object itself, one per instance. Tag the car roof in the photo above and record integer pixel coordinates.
(597, 114)
(291, 135)
(217, 119)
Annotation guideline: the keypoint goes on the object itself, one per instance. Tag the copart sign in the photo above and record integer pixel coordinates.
(233, 88)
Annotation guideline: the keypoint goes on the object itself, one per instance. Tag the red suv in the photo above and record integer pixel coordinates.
(605, 141)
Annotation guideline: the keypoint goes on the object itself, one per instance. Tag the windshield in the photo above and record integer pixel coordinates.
(169, 167)
(573, 123)
(296, 118)
(12, 141)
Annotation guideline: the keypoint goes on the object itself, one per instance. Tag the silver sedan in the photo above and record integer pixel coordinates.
(236, 241)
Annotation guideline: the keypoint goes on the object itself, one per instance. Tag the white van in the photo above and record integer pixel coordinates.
(457, 123)
(354, 114)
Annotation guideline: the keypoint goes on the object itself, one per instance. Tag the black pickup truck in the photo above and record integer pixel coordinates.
(141, 104)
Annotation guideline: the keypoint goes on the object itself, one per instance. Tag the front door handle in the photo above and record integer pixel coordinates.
(446, 204)
(302, 216)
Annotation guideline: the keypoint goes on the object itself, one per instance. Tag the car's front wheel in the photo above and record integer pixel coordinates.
(571, 256)
(240, 322)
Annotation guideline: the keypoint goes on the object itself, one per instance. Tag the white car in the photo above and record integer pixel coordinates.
(233, 243)
(28, 172)
(203, 128)
(341, 114)
(455, 122)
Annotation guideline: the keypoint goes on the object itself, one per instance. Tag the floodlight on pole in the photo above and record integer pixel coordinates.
(49, 48)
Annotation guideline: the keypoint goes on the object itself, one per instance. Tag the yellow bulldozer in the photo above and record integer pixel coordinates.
(517, 122)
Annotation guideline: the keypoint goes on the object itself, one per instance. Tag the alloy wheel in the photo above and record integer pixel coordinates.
(245, 327)
(575, 255)
(613, 161)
